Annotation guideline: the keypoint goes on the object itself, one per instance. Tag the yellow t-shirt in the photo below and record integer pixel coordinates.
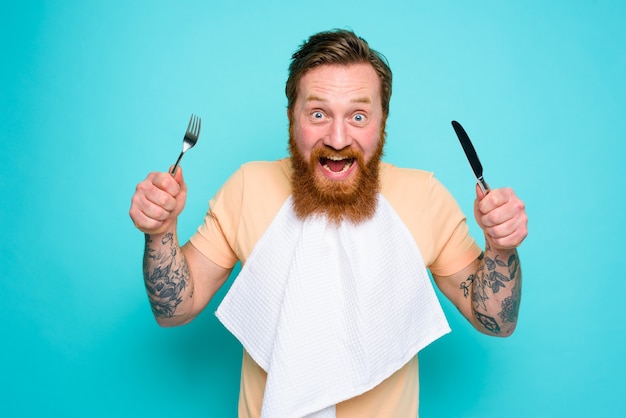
(244, 208)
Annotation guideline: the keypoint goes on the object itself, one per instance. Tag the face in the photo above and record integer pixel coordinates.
(336, 140)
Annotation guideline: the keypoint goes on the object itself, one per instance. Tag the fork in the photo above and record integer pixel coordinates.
(190, 138)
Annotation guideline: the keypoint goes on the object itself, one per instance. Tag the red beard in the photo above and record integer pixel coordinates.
(313, 194)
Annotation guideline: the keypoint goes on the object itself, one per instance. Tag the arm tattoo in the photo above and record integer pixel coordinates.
(510, 306)
(487, 322)
(493, 275)
(166, 275)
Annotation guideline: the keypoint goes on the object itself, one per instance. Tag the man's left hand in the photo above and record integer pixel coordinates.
(502, 217)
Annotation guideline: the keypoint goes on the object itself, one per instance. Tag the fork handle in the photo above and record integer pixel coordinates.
(173, 172)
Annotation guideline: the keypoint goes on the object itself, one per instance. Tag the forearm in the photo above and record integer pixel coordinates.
(496, 291)
(167, 279)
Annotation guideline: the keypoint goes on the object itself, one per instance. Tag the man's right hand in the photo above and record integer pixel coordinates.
(157, 202)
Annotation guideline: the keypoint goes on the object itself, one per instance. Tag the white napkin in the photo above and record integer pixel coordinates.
(330, 311)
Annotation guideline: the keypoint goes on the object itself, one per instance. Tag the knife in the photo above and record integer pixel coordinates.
(472, 157)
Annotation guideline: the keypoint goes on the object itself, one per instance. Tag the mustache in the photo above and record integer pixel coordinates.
(325, 152)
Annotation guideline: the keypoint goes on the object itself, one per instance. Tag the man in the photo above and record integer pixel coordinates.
(332, 303)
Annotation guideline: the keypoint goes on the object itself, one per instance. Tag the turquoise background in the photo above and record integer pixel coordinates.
(94, 95)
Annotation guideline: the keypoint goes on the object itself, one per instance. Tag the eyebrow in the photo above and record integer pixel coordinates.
(314, 98)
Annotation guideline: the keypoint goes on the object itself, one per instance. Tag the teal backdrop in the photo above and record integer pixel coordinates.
(96, 94)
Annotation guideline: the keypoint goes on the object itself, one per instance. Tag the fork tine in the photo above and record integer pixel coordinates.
(199, 125)
(190, 126)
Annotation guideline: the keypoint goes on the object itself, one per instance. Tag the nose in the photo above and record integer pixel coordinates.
(338, 136)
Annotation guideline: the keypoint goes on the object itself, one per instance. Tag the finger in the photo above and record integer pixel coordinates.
(499, 215)
(142, 208)
(479, 193)
(153, 201)
(146, 225)
(495, 199)
(178, 175)
(479, 197)
(154, 211)
(510, 233)
(165, 182)
(510, 241)
(151, 190)
(506, 228)
(160, 198)
(142, 221)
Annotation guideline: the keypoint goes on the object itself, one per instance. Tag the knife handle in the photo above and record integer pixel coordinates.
(483, 185)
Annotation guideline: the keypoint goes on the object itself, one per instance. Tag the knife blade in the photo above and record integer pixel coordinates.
(472, 157)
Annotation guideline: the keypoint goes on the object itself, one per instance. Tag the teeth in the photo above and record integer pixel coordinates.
(345, 168)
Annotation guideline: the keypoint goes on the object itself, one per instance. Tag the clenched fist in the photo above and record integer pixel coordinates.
(502, 217)
(157, 202)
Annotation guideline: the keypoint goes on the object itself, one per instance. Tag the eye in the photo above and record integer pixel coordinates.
(317, 115)
(359, 118)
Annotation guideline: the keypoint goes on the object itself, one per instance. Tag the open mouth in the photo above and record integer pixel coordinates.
(336, 164)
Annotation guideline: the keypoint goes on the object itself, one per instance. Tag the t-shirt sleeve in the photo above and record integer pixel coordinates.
(215, 238)
(455, 248)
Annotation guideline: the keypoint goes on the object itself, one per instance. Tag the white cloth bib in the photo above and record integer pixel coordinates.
(330, 311)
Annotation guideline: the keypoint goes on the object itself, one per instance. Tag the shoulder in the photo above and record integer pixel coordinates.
(407, 184)
(264, 186)
(263, 174)
(425, 206)
(392, 174)
(248, 201)
(264, 171)
(412, 190)
(266, 167)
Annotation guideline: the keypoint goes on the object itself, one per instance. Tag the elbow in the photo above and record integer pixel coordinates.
(508, 331)
(171, 322)
(489, 325)
(500, 332)
(168, 315)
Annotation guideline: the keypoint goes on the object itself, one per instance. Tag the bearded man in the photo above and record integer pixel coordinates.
(333, 300)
